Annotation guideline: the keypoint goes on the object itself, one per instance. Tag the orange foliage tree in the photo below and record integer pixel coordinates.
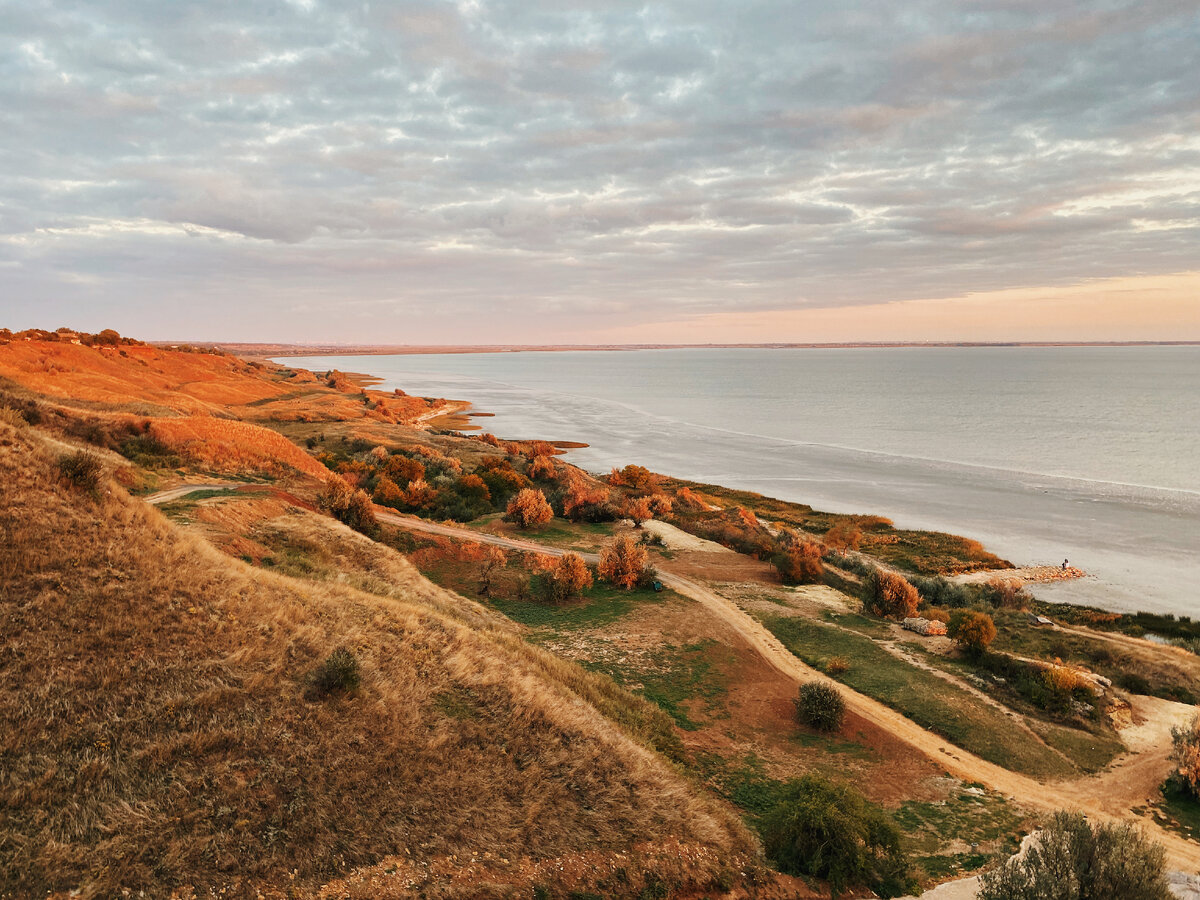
(636, 477)
(973, 631)
(583, 501)
(348, 505)
(529, 508)
(419, 495)
(388, 493)
(622, 562)
(844, 536)
(402, 470)
(800, 562)
(638, 510)
(660, 505)
(889, 594)
(567, 577)
(542, 469)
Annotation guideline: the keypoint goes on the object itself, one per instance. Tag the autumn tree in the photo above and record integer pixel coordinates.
(622, 562)
(388, 493)
(844, 536)
(529, 508)
(419, 495)
(403, 470)
(492, 559)
(660, 505)
(637, 509)
(800, 562)
(566, 577)
(584, 502)
(889, 594)
(542, 468)
(636, 477)
(971, 630)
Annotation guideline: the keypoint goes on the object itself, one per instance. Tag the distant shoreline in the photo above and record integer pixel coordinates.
(265, 350)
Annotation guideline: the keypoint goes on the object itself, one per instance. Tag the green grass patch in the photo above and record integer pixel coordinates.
(931, 702)
(674, 676)
(1183, 812)
(743, 783)
(1091, 751)
(986, 821)
(600, 605)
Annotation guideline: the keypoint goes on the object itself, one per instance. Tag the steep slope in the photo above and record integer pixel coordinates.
(158, 730)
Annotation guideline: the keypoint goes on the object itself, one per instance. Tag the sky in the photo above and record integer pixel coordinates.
(577, 172)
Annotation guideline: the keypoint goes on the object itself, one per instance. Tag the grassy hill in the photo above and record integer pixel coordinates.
(159, 728)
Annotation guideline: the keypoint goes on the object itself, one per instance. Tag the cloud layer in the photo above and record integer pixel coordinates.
(521, 171)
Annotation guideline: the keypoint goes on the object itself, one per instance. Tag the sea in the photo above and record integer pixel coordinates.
(1090, 454)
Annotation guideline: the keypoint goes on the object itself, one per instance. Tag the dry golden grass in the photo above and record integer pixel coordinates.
(233, 446)
(162, 380)
(154, 731)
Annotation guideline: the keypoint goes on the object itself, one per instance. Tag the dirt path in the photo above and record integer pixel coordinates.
(1106, 796)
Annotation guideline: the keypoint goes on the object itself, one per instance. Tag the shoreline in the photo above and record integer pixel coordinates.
(265, 350)
(1025, 518)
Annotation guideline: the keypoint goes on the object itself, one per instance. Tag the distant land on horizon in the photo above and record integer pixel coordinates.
(265, 350)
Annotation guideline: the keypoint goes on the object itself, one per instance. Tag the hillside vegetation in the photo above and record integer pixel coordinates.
(158, 728)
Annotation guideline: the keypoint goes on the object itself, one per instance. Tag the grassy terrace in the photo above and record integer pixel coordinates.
(922, 552)
(928, 700)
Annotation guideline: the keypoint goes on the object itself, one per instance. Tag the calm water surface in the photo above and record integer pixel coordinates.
(1092, 454)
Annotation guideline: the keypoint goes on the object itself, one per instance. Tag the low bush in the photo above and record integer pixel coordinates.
(940, 591)
(1073, 858)
(349, 506)
(1186, 755)
(837, 665)
(566, 577)
(82, 469)
(820, 706)
(338, 673)
(889, 595)
(830, 831)
(972, 631)
(800, 563)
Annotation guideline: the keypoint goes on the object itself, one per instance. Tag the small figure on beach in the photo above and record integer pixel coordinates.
(1064, 565)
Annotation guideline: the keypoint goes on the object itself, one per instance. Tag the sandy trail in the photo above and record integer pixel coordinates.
(1108, 795)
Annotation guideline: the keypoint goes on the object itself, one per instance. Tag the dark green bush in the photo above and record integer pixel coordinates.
(337, 674)
(82, 469)
(831, 831)
(1074, 858)
(820, 706)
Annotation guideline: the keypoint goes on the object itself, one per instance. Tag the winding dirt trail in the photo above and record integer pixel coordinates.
(1108, 795)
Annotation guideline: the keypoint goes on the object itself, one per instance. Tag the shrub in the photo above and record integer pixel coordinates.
(567, 577)
(942, 592)
(403, 470)
(541, 468)
(830, 831)
(800, 563)
(13, 417)
(622, 562)
(1006, 593)
(837, 665)
(529, 508)
(820, 705)
(350, 506)
(890, 595)
(337, 674)
(82, 469)
(1074, 858)
(1186, 754)
(936, 615)
(973, 631)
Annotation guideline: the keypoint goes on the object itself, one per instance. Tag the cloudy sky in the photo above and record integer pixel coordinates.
(574, 171)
